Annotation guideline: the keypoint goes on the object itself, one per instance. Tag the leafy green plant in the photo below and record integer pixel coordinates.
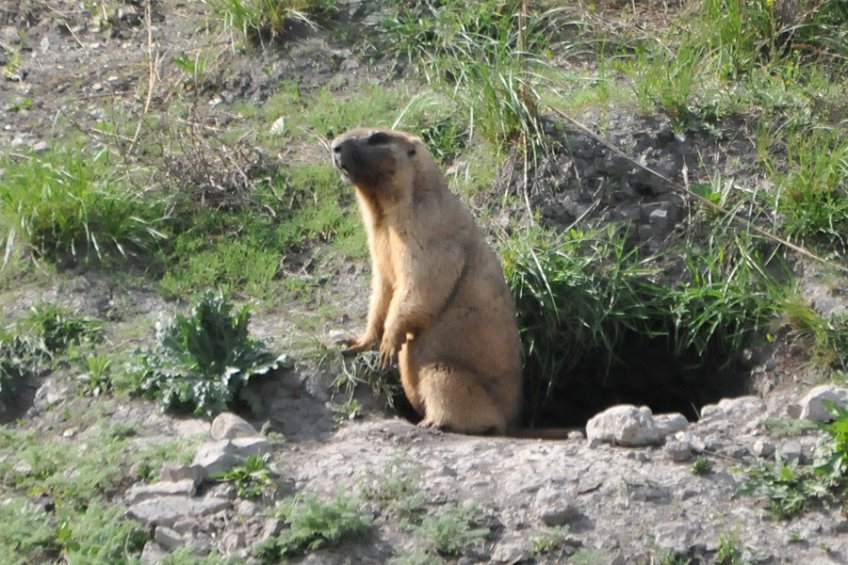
(204, 361)
(250, 478)
(58, 328)
(728, 552)
(393, 489)
(313, 524)
(20, 358)
(702, 466)
(454, 529)
(97, 379)
(550, 540)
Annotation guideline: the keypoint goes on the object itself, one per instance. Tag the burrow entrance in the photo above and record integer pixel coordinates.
(647, 373)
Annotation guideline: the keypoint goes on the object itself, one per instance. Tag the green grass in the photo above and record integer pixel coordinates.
(263, 20)
(582, 296)
(74, 203)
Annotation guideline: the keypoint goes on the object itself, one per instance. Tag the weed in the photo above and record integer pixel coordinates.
(26, 534)
(20, 358)
(728, 550)
(204, 361)
(702, 466)
(58, 328)
(453, 530)
(313, 524)
(365, 369)
(393, 489)
(97, 379)
(251, 478)
(550, 540)
(99, 535)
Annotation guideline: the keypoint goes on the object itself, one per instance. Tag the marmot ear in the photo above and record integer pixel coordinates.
(411, 152)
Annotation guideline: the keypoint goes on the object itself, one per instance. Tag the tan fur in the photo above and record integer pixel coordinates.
(439, 300)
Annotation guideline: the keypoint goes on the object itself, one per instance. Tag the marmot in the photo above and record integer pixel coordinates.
(439, 300)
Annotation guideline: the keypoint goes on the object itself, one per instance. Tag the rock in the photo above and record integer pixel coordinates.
(164, 510)
(168, 538)
(228, 425)
(510, 552)
(215, 457)
(152, 554)
(678, 451)
(743, 408)
(247, 508)
(177, 473)
(278, 127)
(256, 445)
(184, 487)
(232, 542)
(553, 508)
(672, 536)
(762, 448)
(671, 423)
(812, 405)
(626, 425)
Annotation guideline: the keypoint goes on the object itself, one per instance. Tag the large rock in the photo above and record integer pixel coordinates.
(228, 426)
(813, 404)
(137, 493)
(626, 425)
(221, 456)
(165, 510)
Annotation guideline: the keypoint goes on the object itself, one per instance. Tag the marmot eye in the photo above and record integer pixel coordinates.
(378, 138)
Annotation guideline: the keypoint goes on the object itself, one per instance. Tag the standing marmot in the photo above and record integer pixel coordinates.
(439, 299)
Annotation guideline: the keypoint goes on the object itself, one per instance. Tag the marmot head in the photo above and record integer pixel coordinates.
(378, 161)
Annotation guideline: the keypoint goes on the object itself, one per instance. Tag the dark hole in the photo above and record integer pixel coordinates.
(647, 373)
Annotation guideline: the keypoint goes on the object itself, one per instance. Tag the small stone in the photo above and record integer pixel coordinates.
(272, 528)
(671, 423)
(626, 425)
(279, 126)
(762, 448)
(554, 508)
(168, 538)
(246, 508)
(152, 553)
(228, 425)
(576, 435)
(678, 451)
(813, 407)
(232, 542)
(510, 552)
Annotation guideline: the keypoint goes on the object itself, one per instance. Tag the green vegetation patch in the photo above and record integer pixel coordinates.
(313, 524)
(584, 295)
(74, 203)
(204, 361)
